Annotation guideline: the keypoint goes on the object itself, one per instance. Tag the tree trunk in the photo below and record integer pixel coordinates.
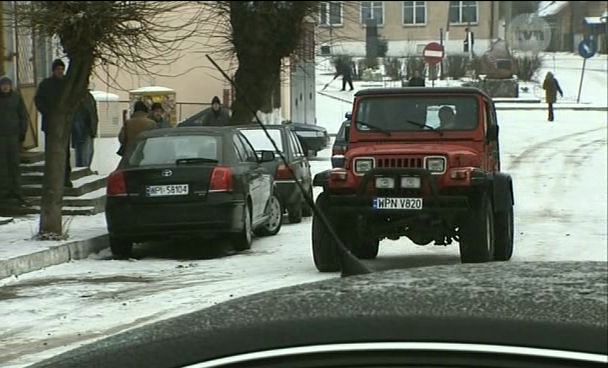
(256, 79)
(55, 152)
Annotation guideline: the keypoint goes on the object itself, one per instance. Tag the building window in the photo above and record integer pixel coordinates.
(372, 10)
(463, 12)
(331, 13)
(414, 12)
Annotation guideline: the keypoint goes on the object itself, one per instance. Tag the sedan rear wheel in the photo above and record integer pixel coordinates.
(242, 240)
(121, 248)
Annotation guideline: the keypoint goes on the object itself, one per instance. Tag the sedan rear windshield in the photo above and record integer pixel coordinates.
(260, 141)
(169, 149)
(404, 113)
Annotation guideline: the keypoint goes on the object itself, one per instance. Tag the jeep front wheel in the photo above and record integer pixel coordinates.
(324, 248)
(477, 232)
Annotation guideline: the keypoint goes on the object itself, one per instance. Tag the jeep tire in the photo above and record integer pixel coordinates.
(324, 248)
(477, 232)
(503, 232)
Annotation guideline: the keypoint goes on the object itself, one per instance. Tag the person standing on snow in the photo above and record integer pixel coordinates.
(84, 130)
(551, 87)
(47, 97)
(218, 116)
(13, 127)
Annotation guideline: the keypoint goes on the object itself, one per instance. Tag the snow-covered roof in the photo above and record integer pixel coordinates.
(102, 96)
(152, 89)
(549, 8)
(595, 20)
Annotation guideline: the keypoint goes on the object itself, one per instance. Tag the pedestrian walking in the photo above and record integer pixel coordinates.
(13, 126)
(346, 72)
(158, 115)
(84, 130)
(551, 87)
(47, 98)
(218, 115)
(138, 123)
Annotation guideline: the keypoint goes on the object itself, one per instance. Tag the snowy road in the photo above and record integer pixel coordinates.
(560, 177)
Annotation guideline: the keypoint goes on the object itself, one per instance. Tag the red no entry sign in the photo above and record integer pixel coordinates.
(433, 53)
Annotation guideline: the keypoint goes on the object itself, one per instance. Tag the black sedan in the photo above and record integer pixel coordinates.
(191, 182)
(287, 142)
(314, 138)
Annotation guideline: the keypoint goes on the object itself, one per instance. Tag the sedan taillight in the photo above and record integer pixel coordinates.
(221, 180)
(283, 173)
(117, 185)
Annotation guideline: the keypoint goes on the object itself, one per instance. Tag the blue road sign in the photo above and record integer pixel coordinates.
(587, 48)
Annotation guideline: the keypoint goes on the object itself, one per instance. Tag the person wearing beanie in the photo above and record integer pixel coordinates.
(218, 115)
(13, 127)
(138, 123)
(46, 99)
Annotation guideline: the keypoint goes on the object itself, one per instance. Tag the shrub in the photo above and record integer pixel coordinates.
(392, 68)
(456, 66)
(414, 64)
(526, 66)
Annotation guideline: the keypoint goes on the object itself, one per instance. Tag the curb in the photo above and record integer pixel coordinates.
(52, 256)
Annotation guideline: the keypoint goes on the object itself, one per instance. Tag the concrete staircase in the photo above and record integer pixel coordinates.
(87, 197)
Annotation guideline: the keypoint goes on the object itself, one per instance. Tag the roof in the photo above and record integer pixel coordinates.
(256, 126)
(527, 304)
(152, 89)
(421, 90)
(104, 96)
(550, 8)
(186, 131)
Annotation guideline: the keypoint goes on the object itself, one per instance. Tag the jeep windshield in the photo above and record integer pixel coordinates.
(413, 114)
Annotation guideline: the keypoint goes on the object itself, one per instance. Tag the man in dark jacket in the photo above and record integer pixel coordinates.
(84, 130)
(47, 97)
(416, 80)
(13, 126)
(551, 87)
(218, 116)
(345, 70)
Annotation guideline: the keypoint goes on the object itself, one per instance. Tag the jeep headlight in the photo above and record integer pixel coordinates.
(435, 165)
(363, 165)
(385, 183)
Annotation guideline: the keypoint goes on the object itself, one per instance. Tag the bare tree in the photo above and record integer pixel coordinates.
(130, 35)
(261, 34)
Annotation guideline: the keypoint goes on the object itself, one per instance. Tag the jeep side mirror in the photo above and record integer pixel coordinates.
(492, 133)
(348, 116)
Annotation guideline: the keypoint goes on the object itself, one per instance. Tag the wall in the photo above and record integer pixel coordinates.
(399, 35)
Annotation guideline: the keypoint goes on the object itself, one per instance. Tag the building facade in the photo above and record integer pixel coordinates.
(407, 26)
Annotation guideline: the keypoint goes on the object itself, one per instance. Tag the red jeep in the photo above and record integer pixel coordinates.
(422, 163)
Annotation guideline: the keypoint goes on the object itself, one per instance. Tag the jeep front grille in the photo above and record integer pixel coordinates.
(400, 162)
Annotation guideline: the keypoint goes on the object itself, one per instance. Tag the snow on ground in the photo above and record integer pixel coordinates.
(560, 177)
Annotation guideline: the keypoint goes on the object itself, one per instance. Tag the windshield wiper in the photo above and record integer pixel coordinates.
(422, 125)
(374, 127)
(195, 160)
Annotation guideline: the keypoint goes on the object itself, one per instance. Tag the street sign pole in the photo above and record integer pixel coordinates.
(580, 86)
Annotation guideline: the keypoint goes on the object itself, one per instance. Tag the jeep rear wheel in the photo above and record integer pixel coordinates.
(477, 232)
(503, 228)
(324, 248)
